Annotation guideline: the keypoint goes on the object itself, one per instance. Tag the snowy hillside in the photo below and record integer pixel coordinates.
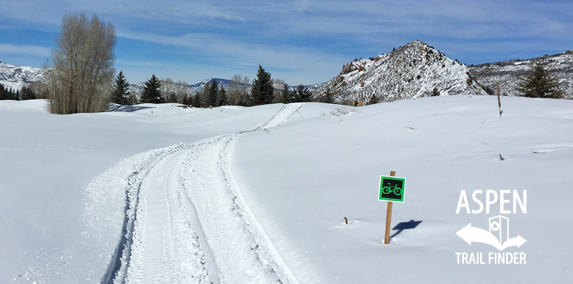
(411, 71)
(259, 195)
(508, 73)
(16, 77)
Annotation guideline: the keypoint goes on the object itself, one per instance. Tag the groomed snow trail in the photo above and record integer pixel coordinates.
(186, 221)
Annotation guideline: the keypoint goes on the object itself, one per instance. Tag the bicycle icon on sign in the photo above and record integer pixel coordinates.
(392, 189)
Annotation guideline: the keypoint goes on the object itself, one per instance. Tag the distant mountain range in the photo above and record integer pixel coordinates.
(410, 71)
(16, 77)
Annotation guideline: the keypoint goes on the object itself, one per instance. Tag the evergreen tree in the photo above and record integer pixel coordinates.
(120, 91)
(222, 96)
(27, 94)
(287, 98)
(212, 92)
(294, 97)
(171, 98)
(306, 94)
(187, 100)
(8, 94)
(197, 100)
(3, 93)
(151, 93)
(302, 94)
(245, 100)
(262, 89)
(205, 95)
(539, 84)
(327, 98)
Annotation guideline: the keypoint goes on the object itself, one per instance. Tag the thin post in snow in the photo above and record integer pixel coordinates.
(499, 100)
(388, 216)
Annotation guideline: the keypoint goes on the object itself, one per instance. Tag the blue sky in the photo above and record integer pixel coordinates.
(300, 41)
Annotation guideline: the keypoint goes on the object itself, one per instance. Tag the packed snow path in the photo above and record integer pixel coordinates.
(186, 221)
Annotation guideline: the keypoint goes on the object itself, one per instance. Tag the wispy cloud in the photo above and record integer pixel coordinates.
(310, 36)
(24, 49)
(237, 54)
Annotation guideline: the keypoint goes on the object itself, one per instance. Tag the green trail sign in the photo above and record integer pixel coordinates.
(392, 188)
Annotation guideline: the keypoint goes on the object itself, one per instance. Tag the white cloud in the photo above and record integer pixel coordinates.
(24, 49)
(241, 54)
(309, 36)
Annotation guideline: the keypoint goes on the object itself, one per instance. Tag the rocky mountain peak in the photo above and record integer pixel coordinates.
(413, 70)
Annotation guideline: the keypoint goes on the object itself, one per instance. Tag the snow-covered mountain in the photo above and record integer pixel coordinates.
(508, 73)
(198, 87)
(413, 70)
(16, 77)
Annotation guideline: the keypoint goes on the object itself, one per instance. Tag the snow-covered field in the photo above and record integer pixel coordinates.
(259, 195)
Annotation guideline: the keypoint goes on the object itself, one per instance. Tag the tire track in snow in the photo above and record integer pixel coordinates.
(186, 221)
(286, 112)
(142, 164)
(242, 250)
(166, 247)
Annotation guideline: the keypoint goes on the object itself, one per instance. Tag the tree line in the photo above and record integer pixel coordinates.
(17, 95)
(240, 91)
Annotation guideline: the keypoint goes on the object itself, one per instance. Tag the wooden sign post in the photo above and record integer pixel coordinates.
(388, 217)
(391, 190)
(499, 100)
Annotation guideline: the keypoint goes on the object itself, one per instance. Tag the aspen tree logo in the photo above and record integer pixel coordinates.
(498, 234)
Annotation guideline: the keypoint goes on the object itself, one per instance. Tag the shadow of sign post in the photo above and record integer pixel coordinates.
(405, 226)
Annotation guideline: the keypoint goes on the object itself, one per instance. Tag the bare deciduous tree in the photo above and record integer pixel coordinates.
(82, 65)
(238, 91)
(278, 84)
(168, 90)
(181, 91)
(174, 92)
(38, 88)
